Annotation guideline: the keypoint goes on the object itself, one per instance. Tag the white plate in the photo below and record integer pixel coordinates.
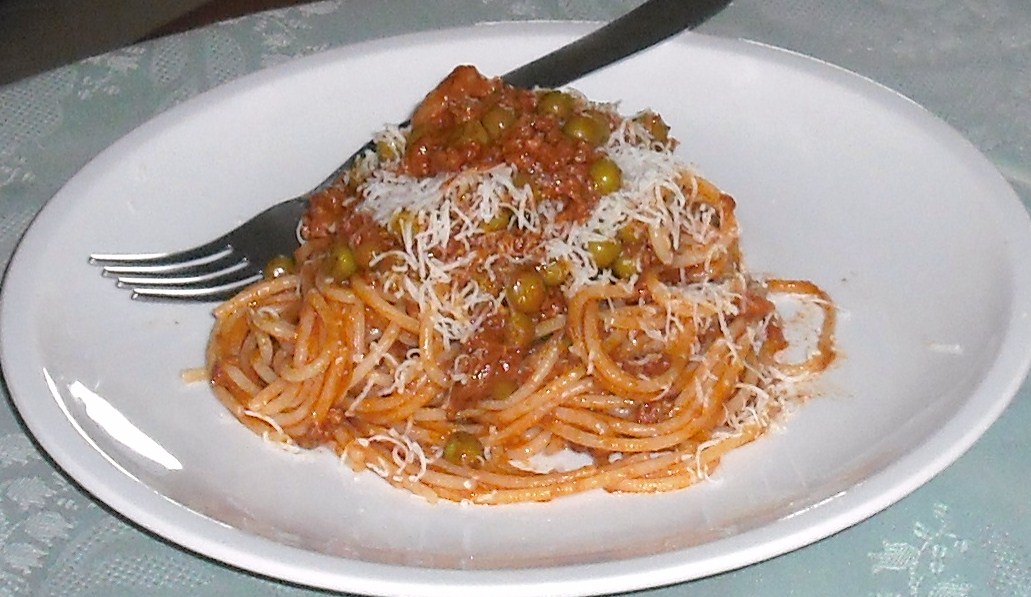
(916, 236)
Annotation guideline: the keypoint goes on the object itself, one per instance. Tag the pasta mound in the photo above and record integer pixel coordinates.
(514, 275)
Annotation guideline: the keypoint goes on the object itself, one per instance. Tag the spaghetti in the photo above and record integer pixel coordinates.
(519, 296)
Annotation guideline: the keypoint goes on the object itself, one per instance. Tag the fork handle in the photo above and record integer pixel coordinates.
(643, 27)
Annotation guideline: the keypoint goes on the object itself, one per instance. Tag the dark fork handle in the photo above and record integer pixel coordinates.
(642, 27)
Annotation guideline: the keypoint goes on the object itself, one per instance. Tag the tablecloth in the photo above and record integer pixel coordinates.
(967, 61)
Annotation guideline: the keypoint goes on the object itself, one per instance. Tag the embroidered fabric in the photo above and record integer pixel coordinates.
(968, 61)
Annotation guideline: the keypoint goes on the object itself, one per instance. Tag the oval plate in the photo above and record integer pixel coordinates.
(838, 180)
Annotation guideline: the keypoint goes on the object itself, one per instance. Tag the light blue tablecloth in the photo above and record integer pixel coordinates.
(968, 61)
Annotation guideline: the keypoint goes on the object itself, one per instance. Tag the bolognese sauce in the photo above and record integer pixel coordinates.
(513, 273)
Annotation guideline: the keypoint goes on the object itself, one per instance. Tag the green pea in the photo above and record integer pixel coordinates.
(472, 131)
(280, 265)
(519, 329)
(554, 273)
(526, 292)
(631, 233)
(497, 120)
(463, 449)
(603, 252)
(499, 221)
(555, 103)
(524, 179)
(586, 128)
(606, 176)
(503, 388)
(386, 150)
(342, 264)
(655, 126)
(625, 266)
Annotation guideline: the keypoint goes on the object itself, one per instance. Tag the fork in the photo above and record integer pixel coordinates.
(216, 270)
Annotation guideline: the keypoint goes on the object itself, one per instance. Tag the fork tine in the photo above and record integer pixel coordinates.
(217, 262)
(213, 271)
(219, 292)
(177, 278)
(204, 252)
(214, 276)
(214, 286)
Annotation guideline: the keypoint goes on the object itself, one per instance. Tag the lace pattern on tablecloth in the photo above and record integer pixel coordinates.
(968, 61)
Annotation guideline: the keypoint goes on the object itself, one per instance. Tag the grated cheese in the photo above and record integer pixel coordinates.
(438, 213)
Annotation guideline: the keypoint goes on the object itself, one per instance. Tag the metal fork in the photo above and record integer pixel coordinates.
(217, 270)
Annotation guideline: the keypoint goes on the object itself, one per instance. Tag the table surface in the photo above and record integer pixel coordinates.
(968, 61)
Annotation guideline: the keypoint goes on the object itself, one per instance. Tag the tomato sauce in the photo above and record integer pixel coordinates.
(471, 121)
(551, 139)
